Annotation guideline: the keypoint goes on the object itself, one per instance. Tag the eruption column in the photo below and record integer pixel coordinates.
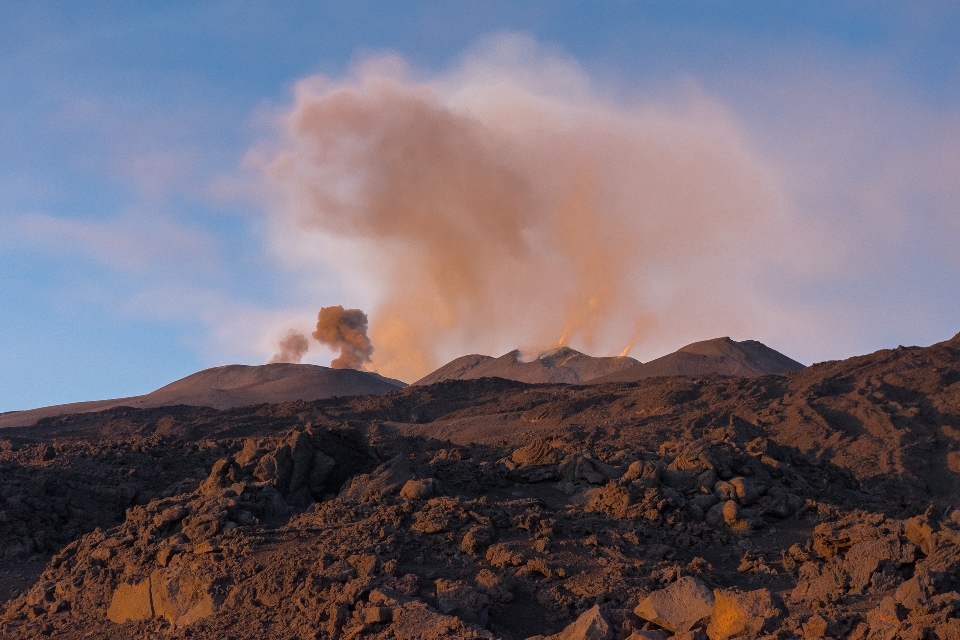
(292, 348)
(346, 330)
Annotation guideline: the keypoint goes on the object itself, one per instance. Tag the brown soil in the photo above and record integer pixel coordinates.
(819, 503)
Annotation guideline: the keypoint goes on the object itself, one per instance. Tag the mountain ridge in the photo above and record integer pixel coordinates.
(230, 386)
(561, 365)
(722, 356)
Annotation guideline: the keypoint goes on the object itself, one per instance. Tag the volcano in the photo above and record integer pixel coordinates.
(232, 385)
(721, 356)
(562, 365)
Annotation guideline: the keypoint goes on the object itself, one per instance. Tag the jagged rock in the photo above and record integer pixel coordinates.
(611, 499)
(131, 602)
(414, 620)
(725, 491)
(376, 615)
(683, 480)
(475, 538)
(920, 531)
(751, 613)
(779, 503)
(590, 625)
(884, 620)
(580, 468)
(915, 591)
(679, 606)
(731, 513)
(747, 491)
(537, 452)
(533, 473)
(646, 473)
(321, 467)
(385, 479)
(276, 468)
(180, 596)
(714, 516)
(455, 597)
(301, 457)
(500, 555)
(418, 489)
(817, 627)
(705, 501)
(248, 457)
(220, 477)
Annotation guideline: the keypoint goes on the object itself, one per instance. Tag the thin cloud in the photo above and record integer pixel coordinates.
(132, 243)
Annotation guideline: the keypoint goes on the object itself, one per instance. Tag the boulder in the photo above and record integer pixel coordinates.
(456, 598)
(276, 468)
(884, 620)
(647, 473)
(714, 515)
(537, 452)
(533, 473)
(731, 513)
(301, 457)
(219, 478)
(591, 625)
(705, 501)
(418, 489)
(385, 479)
(580, 468)
(131, 602)
(320, 469)
(751, 613)
(725, 491)
(180, 597)
(677, 607)
(376, 615)
(747, 491)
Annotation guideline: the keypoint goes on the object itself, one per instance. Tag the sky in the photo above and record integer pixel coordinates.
(181, 183)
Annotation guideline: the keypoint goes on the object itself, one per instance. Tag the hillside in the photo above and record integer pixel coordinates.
(232, 386)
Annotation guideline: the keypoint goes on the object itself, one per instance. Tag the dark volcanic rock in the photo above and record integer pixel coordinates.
(821, 503)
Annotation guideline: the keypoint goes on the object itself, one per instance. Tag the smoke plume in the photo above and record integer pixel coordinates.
(293, 346)
(346, 330)
(508, 203)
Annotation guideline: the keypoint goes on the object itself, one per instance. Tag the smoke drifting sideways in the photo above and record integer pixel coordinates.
(346, 330)
(293, 347)
(508, 203)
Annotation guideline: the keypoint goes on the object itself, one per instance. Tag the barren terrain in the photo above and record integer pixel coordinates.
(819, 503)
(233, 385)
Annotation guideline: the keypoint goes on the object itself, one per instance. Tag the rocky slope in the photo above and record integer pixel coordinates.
(720, 355)
(820, 503)
(232, 386)
(563, 365)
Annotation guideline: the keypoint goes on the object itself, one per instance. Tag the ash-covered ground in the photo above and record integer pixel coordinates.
(821, 503)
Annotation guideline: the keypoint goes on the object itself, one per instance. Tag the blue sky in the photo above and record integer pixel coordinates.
(137, 245)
